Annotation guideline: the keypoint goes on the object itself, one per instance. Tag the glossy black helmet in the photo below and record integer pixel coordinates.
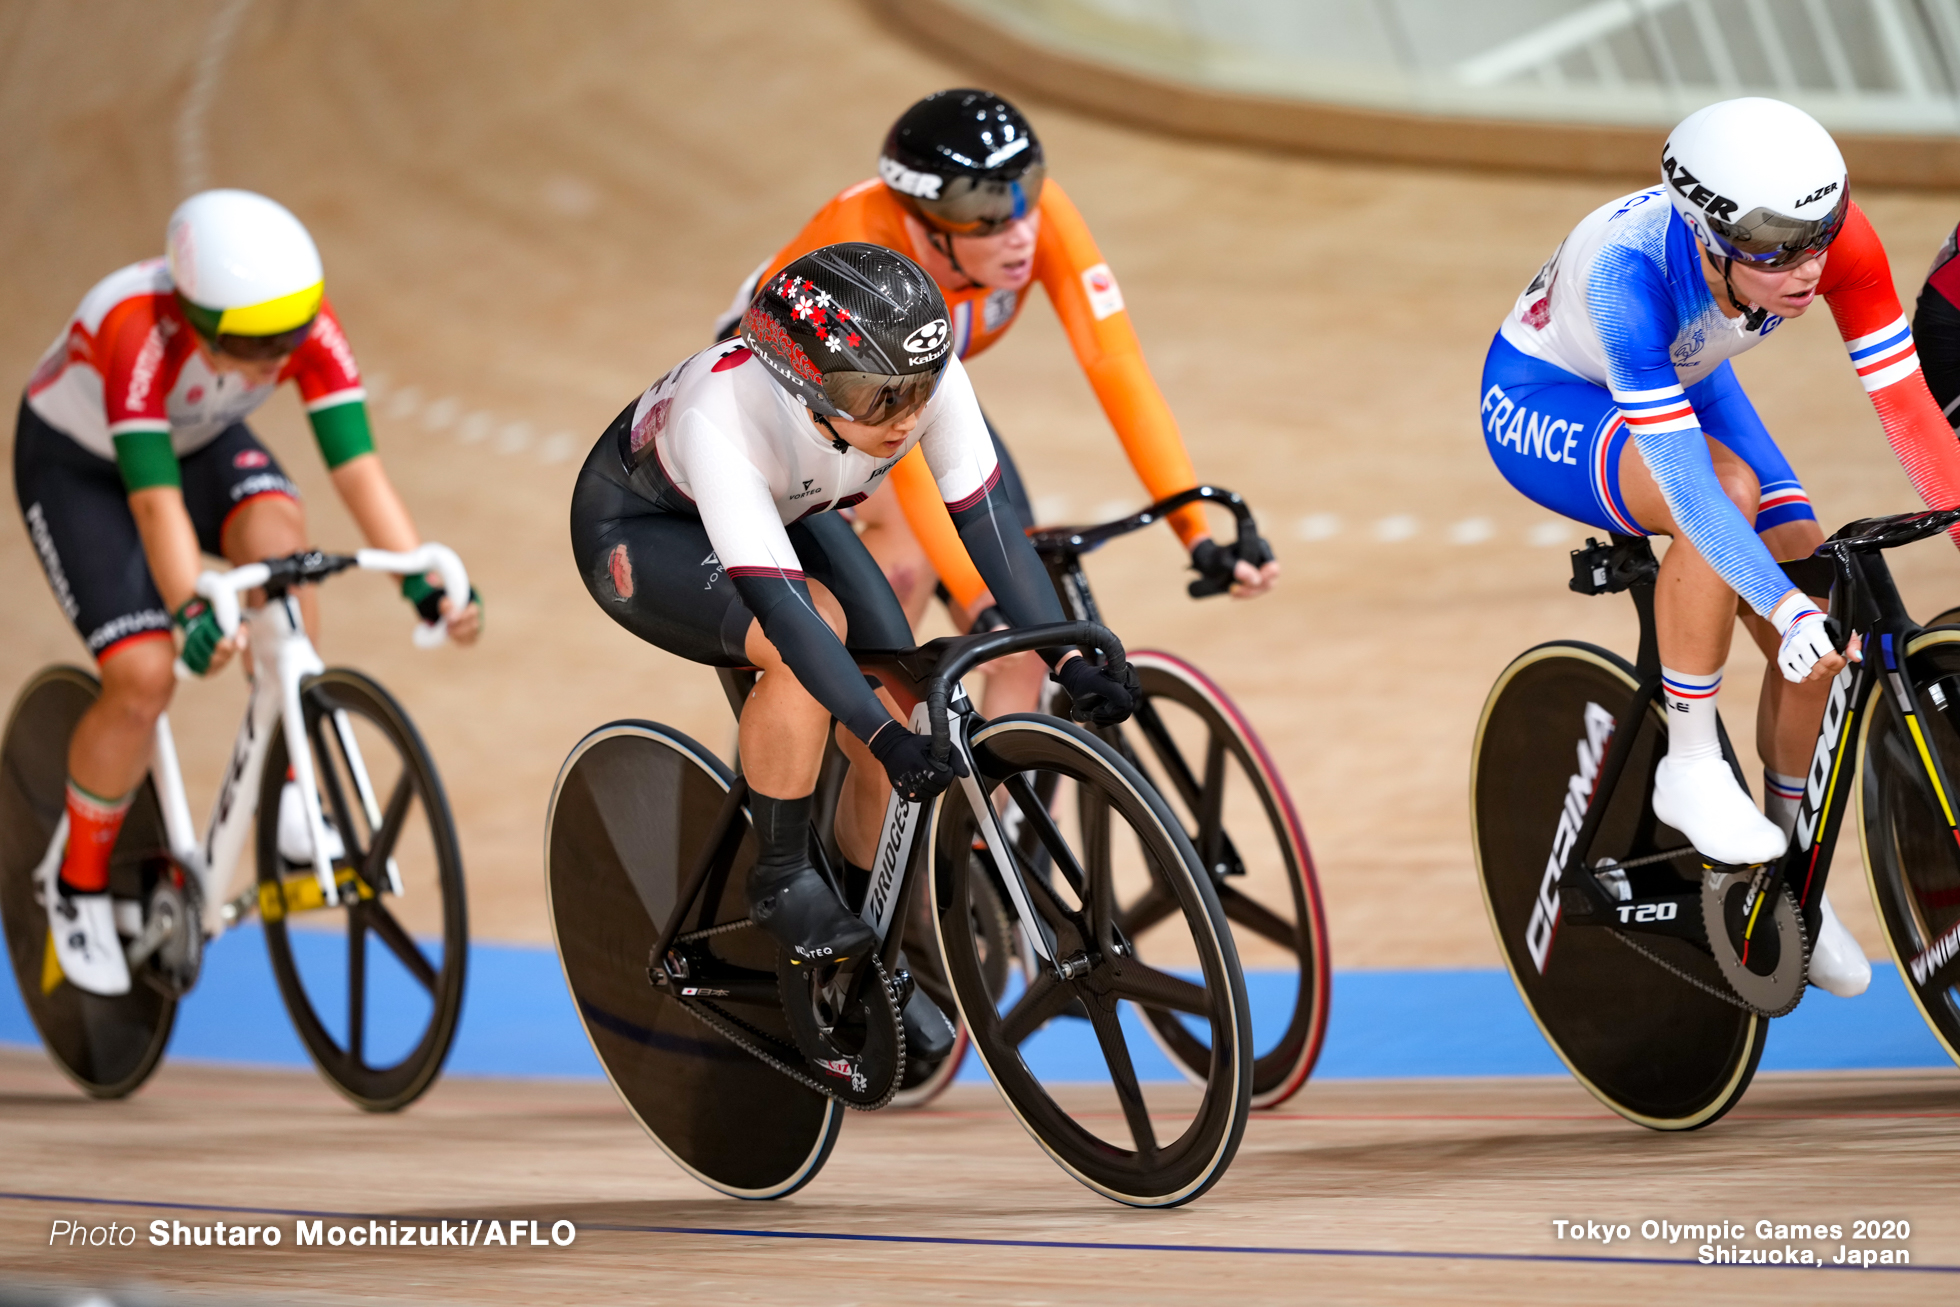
(852, 330)
(966, 162)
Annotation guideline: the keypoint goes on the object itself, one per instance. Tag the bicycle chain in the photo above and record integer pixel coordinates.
(724, 928)
(1726, 995)
(732, 1028)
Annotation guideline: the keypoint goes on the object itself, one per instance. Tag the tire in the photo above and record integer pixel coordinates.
(1108, 796)
(1646, 1043)
(1248, 835)
(377, 1021)
(1910, 859)
(993, 933)
(630, 812)
(107, 1046)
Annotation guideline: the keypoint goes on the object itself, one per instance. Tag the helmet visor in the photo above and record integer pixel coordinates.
(260, 348)
(1765, 238)
(873, 399)
(984, 208)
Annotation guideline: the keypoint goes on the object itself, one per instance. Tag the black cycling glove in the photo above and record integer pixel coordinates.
(1097, 697)
(908, 760)
(1215, 563)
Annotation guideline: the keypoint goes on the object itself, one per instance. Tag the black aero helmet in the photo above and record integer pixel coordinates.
(852, 330)
(964, 161)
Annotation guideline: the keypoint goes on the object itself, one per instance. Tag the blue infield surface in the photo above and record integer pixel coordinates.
(518, 1021)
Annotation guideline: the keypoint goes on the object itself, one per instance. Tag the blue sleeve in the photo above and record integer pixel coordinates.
(1635, 314)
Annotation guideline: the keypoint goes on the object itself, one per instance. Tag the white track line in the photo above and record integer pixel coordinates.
(474, 428)
(193, 149)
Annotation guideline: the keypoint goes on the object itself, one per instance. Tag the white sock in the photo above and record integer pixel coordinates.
(1781, 795)
(1693, 730)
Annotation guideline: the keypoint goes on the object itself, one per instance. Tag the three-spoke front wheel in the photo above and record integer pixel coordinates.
(1114, 837)
(375, 983)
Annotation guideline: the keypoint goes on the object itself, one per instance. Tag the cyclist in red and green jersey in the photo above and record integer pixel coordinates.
(132, 460)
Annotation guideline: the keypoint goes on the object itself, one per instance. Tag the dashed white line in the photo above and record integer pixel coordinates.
(1318, 526)
(445, 413)
(1547, 535)
(1390, 530)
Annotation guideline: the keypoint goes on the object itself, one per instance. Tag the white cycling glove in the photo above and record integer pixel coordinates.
(1804, 638)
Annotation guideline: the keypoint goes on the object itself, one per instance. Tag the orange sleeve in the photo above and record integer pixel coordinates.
(864, 212)
(925, 512)
(1087, 300)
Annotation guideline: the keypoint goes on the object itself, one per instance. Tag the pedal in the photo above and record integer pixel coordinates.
(172, 937)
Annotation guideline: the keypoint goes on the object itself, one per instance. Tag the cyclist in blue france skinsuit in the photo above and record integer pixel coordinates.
(1608, 397)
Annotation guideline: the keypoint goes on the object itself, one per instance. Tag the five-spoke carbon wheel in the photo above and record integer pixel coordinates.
(1192, 743)
(375, 984)
(1112, 838)
(1910, 856)
(107, 1046)
(1648, 1043)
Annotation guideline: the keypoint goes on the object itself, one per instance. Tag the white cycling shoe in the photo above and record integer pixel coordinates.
(1702, 800)
(83, 929)
(1837, 965)
(295, 840)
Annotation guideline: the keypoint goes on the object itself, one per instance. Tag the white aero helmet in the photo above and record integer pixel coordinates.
(1758, 181)
(247, 275)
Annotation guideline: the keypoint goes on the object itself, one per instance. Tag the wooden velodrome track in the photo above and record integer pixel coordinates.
(528, 213)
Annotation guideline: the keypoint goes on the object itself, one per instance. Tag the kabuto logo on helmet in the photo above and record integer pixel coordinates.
(928, 338)
(920, 185)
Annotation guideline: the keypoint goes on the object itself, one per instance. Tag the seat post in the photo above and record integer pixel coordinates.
(1635, 568)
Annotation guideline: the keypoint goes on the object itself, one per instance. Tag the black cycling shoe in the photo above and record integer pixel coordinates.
(802, 912)
(928, 1034)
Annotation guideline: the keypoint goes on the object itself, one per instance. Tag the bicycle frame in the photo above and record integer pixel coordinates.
(283, 657)
(930, 679)
(1863, 600)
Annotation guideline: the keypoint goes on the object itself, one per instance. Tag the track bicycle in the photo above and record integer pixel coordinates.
(1653, 973)
(385, 867)
(1191, 741)
(740, 1065)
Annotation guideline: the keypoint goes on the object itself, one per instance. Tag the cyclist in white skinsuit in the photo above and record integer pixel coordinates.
(705, 522)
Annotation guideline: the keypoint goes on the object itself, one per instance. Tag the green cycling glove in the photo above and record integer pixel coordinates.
(427, 599)
(201, 633)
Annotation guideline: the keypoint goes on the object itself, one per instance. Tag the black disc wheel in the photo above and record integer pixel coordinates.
(1910, 854)
(374, 983)
(1114, 837)
(1648, 1043)
(1193, 744)
(107, 1046)
(633, 812)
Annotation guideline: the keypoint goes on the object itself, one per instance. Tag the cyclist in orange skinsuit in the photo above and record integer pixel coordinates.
(962, 190)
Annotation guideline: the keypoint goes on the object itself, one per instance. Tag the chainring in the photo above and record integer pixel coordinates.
(172, 942)
(1772, 981)
(847, 1025)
